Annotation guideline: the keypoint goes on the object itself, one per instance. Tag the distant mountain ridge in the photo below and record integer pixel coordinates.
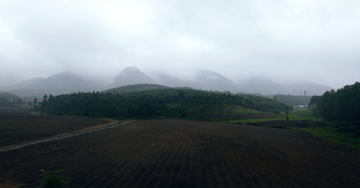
(268, 87)
(211, 80)
(64, 82)
(68, 82)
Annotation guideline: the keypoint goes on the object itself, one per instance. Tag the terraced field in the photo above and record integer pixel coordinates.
(182, 153)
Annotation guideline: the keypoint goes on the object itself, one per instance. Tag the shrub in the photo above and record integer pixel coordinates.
(53, 179)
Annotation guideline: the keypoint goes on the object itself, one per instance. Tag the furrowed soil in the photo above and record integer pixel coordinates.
(18, 125)
(182, 153)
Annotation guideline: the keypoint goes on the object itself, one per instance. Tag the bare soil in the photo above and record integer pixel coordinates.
(18, 125)
(183, 153)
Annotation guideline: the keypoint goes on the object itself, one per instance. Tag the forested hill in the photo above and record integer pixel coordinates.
(9, 96)
(340, 105)
(7, 99)
(135, 87)
(169, 102)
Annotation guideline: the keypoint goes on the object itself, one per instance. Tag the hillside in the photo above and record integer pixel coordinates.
(166, 102)
(9, 96)
(135, 87)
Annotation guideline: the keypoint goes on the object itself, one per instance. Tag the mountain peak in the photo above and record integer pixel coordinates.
(131, 75)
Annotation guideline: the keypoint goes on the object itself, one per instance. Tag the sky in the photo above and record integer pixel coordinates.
(282, 40)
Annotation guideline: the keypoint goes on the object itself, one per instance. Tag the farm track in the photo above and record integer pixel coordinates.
(65, 135)
(180, 153)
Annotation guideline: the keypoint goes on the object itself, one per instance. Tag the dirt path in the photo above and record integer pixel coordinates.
(111, 124)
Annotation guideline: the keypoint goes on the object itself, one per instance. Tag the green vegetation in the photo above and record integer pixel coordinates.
(169, 102)
(342, 105)
(135, 87)
(9, 96)
(296, 114)
(291, 99)
(53, 179)
(243, 110)
(341, 108)
(331, 134)
(8, 100)
(338, 132)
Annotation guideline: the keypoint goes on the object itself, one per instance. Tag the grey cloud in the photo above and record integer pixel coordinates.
(282, 40)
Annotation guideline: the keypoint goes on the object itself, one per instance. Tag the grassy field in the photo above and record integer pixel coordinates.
(180, 153)
(327, 131)
(330, 134)
(243, 110)
(296, 114)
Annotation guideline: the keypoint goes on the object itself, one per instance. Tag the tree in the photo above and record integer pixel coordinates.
(19, 101)
(45, 97)
(287, 113)
(35, 102)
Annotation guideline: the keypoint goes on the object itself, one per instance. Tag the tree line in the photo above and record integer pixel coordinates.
(340, 105)
(156, 103)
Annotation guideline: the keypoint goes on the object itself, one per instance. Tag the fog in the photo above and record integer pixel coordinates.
(285, 41)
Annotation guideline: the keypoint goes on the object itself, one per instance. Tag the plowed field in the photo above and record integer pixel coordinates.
(18, 125)
(181, 153)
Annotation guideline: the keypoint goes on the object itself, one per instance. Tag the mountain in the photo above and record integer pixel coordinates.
(267, 87)
(172, 81)
(310, 88)
(67, 82)
(64, 82)
(201, 79)
(211, 80)
(24, 84)
(259, 85)
(130, 76)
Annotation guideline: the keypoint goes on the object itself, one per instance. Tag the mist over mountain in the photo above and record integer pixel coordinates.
(211, 80)
(169, 80)
(68, 82)
(9, 79)
(23, 84)
(64, 82)
(267, 87)
(129, 76)
(200, 79)
(259, 85)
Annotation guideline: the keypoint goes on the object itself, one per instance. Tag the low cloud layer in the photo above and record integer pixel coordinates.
(284, 41)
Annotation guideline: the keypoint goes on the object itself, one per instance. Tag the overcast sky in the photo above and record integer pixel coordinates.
(282, 40)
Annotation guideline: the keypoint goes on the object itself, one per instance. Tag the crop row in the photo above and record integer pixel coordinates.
(181, 153)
